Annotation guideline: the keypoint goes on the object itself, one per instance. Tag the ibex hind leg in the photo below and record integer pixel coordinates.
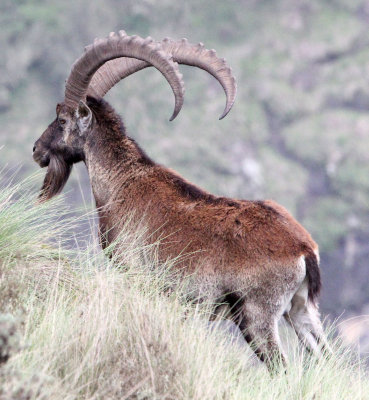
(259, 327)
(305, 320)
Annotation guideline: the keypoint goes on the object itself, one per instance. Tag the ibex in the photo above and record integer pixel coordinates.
(252, 255)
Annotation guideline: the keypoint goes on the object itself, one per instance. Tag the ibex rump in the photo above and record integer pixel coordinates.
(252, 254)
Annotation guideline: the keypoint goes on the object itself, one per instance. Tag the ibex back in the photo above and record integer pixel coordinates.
(252, 255)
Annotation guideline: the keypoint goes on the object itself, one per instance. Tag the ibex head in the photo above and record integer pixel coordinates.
(103, 64)
(61, 145)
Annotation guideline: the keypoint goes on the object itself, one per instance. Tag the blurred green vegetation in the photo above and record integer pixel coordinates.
(299, 130)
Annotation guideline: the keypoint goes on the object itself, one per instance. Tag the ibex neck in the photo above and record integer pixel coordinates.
(110, 155)
(115, 164)
(111, 163)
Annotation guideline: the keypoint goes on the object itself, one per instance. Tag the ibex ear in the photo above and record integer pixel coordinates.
(84, 117)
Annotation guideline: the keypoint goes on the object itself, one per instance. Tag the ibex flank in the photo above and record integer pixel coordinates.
(252, 255)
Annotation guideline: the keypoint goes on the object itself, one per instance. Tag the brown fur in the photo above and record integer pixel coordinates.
(249, 253)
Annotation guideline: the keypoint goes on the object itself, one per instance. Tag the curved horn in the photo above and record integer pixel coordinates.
(114, 46)
(182, 52)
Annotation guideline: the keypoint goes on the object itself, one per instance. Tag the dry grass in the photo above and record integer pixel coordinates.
(90, 330)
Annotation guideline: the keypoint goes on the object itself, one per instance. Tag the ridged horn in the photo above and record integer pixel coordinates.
(114, 46)
(182, 52)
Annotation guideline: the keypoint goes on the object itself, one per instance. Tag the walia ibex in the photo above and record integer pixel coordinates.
(252, 255)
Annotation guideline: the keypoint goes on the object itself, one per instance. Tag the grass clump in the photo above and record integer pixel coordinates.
(31, 231)
(83, 327)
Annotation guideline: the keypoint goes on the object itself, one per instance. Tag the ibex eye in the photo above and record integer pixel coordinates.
(62, 121)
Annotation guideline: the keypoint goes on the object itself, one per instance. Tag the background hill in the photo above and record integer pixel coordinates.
(298, 133)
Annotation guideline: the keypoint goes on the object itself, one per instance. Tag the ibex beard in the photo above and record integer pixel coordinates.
(58, 172)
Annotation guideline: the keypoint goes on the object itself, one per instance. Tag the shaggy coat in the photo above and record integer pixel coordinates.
(252, 255)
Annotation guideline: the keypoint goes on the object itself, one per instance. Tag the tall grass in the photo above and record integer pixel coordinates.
(26, 231)
(88, 328)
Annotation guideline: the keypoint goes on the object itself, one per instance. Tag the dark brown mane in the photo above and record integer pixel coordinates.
(193, 192)
(107, 117)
